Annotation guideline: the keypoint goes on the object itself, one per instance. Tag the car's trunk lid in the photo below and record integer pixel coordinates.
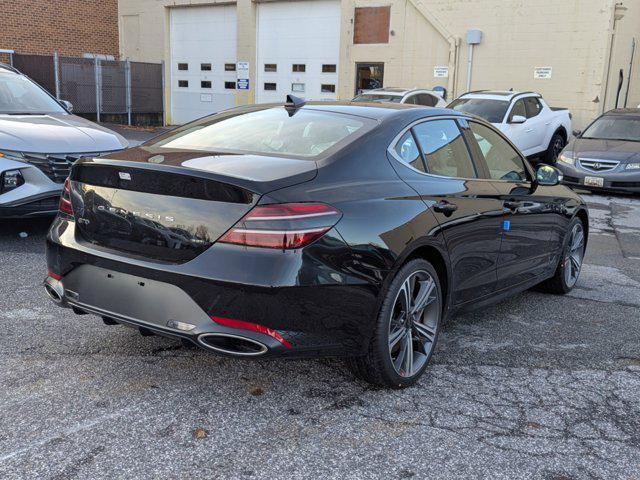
(167, 209)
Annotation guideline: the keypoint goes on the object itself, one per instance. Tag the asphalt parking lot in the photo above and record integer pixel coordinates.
(537, 386)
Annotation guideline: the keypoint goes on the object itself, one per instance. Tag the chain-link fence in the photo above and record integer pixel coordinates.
(102, 90)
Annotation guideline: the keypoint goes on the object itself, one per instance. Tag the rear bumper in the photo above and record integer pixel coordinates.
(295, 303)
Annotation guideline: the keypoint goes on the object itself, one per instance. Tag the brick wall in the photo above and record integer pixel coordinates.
(72, 27)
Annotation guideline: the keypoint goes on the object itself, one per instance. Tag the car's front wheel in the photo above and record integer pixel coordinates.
(406, 328)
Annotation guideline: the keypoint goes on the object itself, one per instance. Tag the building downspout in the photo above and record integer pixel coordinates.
(617, 12)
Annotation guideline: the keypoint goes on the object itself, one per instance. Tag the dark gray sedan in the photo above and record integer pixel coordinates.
(606, 156)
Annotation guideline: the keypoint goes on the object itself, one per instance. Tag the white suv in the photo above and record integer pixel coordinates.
(427, 98)
(39, 141)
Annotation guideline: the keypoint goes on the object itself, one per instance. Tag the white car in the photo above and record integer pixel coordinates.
(427, 98)
(537, 129)
(39, 141)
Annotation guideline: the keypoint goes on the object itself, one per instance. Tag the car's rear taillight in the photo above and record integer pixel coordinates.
(283, 226)
(65, 199)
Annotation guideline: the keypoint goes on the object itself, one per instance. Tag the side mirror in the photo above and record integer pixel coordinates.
(518, 119)
(548, 176)
(67, 105)
(577, 133)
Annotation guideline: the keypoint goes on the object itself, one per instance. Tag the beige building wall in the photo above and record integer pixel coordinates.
(573, 37)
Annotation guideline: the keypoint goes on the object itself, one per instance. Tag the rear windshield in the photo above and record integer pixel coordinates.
(307, 133)
(491, 110)
(614, 128)
(377, 98)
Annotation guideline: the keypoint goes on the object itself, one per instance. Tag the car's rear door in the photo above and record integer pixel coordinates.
(530, 230)
(437, 164)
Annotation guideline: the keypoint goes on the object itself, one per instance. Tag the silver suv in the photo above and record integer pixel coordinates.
(39, 141)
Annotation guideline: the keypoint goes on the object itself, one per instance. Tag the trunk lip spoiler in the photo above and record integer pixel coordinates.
(240, 182)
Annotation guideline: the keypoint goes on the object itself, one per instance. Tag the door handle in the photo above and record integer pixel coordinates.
(512, 204)
(529, 130)
(445, 207)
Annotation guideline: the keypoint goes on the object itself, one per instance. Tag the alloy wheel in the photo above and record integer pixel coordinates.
(574, 255)
(414, 323)
(558, 145)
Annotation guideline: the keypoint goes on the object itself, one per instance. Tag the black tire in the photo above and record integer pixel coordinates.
(556, 145)
(561, 283)
(378, 366)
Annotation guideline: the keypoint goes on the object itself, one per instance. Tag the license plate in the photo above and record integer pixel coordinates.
(594, 181)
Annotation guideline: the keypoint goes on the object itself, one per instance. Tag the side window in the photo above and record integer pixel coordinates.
(518, 109)
(444, 148)
(533, 106)
(407, 150)
(411, 100)
(426, 100)
(503, 160)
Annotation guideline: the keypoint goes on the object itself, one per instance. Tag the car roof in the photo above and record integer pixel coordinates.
(631, 112)
(371, 110)
(497, 94)
(396, 91)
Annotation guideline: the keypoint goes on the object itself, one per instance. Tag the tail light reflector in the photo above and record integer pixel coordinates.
(283, 226)
(254, 327)
(65, 199)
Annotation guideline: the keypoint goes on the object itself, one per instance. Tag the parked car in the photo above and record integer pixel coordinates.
(606, 156)
(537, 129)
(334, 229)
(39, 140)
(427, 98)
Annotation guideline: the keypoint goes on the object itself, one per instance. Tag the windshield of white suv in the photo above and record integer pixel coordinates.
(491, 110)
(612, 127)
(377, 98)
(307, 133)
(19, 95)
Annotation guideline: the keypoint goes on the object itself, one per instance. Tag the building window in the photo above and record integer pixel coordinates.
(270, 86)
(205, 84)
(205, 67)
(230, 85)
(229, 67)
(183, 66)
(299, 67)
(328, 88)
(183, 83)
(329, 68)
(371, 25)
(297, 87)
(270, 67)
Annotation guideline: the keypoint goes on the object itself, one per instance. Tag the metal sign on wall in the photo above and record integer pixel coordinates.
(242, 71)
(441, 71)
(542, 73)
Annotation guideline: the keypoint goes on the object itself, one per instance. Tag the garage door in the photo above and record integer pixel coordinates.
(203, 57)
(298, 50)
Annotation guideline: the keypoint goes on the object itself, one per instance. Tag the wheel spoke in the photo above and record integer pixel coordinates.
(424, 331)
(424, 297)
(395, 337)
(402, 355)
(408, 369)
(405, 294)
(578, 238)
(575, 262)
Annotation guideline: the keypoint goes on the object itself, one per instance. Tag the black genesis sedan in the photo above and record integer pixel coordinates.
(319, 229)
(606, 156)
